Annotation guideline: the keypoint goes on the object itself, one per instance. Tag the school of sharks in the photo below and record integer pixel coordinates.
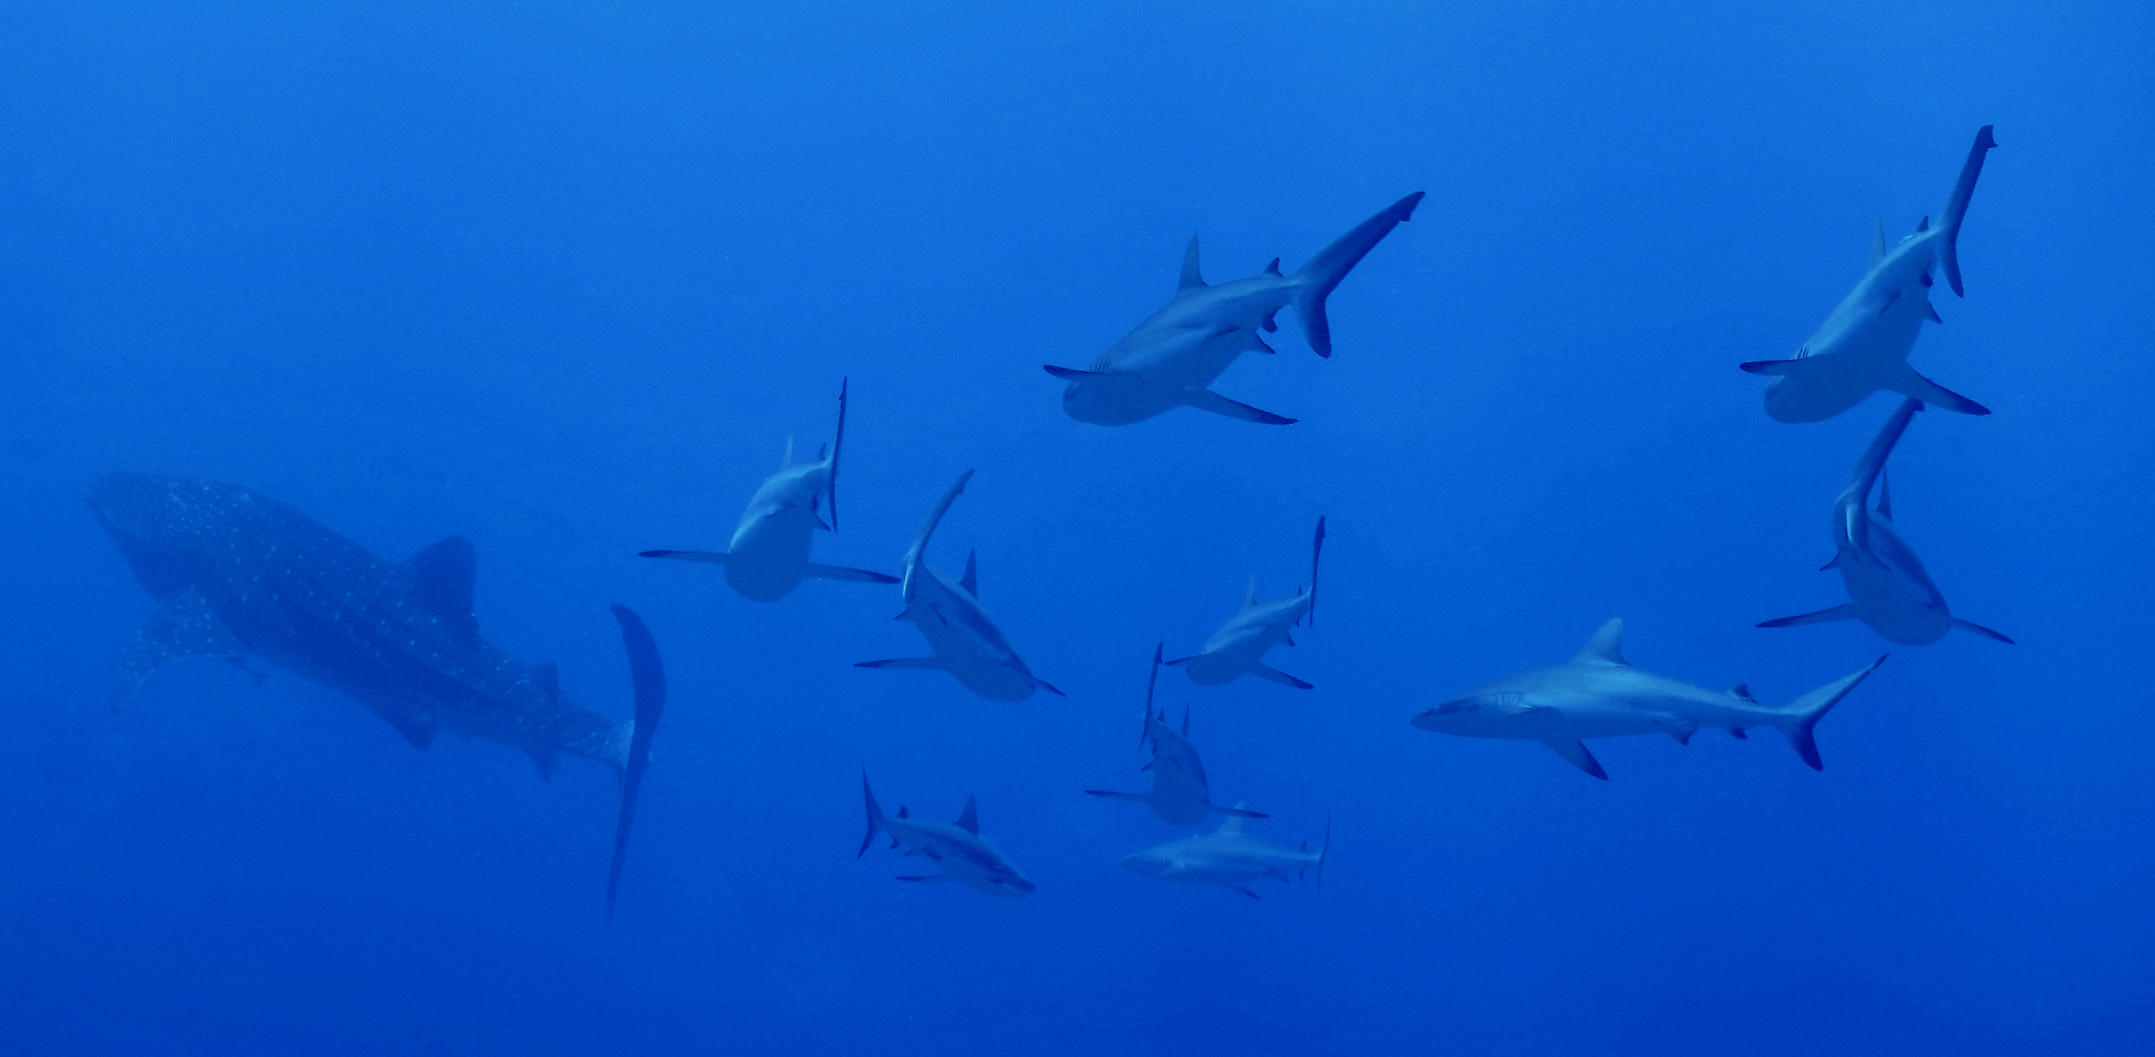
(236, 574)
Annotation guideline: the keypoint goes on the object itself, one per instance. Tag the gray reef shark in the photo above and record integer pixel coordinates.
(1228, 856)
(966, 640)
(1170, 358)
(1180, 794)
(1239, 647)
(957, 847)
(236, 573)
(768, 555)
(1597, 694)
(1863, 346)
(1888, 587)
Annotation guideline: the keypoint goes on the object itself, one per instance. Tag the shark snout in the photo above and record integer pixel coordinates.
(1149, 865)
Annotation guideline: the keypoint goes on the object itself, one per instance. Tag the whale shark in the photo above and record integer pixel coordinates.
(1863, 346)
(768, 554)
(1888, 587)
(1598, 694)
(966, 640)
(1180, 794)
(1169, 359)
(236, 573)
(1239, 647)
(1231, 857)
(965, 856)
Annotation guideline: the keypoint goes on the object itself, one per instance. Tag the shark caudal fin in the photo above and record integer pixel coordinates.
(875, 815)
(1324, 851)
(1800, 716)
(1316, 551)
(1956, 208)
(1316, 278)
(927, 531)
(648, 675)
(838, 443)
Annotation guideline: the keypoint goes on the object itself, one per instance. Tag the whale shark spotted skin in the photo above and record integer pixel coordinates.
(1180, 794)
(1170, 358)
(965, 856)
(1863, 346)
(1239, 647)
(1231, 857)
(235, 572)
(1597, 694)
(967, 642)
(1888, 588)
(768, 554)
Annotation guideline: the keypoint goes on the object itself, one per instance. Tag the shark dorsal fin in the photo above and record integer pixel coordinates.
(1923, 225)
(1606, 647)
(1274, 267)
(1233, 826)
(969, 819)
(1743, 690)
(901, 812)
(441, 580)
(971, 580)
(1249, 596)
(1878, 243)
(786, 460)
(549, 679)
(1191, 279)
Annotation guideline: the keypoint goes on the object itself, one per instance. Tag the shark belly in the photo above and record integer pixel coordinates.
(1895, 604)
(994, 673)
(1152, 371)
(1855, 353)
(1179, 797)
(768, 556)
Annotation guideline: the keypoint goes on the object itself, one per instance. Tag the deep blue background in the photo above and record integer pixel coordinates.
(561, 277)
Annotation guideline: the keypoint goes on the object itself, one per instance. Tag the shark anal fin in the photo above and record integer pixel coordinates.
(840, 572)
(708, 557)
(1207, 400)
(442, 577)
(903, 662)
(1844, 611)
(1908, 383)
(183, 626)
(969, 819)
(1738, 734)
(1575, 750)
(1932, 311)
(1266, 671)
(1979, 629)
(1140, 798)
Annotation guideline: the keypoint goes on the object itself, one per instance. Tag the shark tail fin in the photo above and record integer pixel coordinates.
(927, 530)
(1801, 716)
(875, 815)
(1152, 681)
(838, 443)
(648, 674)
(1315, 280)
(1956, 208)
(1323, 851)
(1316, 551)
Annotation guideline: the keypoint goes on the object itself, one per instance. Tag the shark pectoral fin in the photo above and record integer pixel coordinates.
(1575, 750)
(1069, 374)
(903, 662)
(1239, 812)
(1207, 400)
(1908, 383)
(1048, 686)
(708, 557)
(1177, 662)
(1932, 311)
(1844, 611)
(1134, 797)
(1243, 890)
(1981, 630)
(441, 580)
(1738, 734)
(840, 572)
(1682, 735)
(930, 877)
(1266, 671)
(1771, 366)
(183, 626)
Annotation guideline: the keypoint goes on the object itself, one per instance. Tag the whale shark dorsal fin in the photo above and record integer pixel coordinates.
(1606, 647)
(969, 819)
(1233, 825)
(1191, 279)
(441, 577)
(971, 580)
(1878, 243)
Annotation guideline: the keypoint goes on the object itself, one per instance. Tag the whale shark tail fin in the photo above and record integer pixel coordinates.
(1956, 207)
(1314, 280)
(648, 675)
(1802, 715)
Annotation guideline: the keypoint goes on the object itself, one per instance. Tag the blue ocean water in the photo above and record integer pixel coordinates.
(563, 277)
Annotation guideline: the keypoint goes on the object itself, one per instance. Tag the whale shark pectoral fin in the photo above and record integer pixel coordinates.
(1907, 382)
(1207, 400)
(1981, 630)
(903, 662)
(840, 572)
(183, 626)
(1575, 750)
(1844, 611)
(1775, 367)
(1266, 671)
(709, 557)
